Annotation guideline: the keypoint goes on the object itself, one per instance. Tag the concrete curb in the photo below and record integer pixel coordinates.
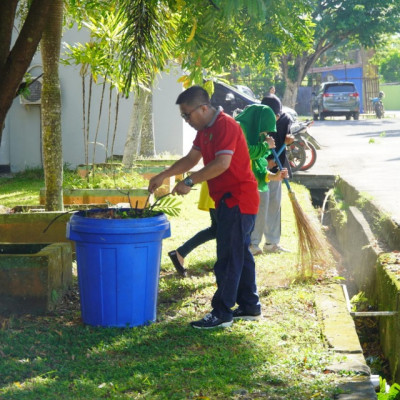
(340, 333)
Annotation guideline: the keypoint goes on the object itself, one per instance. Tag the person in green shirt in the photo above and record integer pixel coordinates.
(257, 121)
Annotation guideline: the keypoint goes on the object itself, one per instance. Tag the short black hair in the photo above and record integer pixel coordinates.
(273, 101)
(195, 95)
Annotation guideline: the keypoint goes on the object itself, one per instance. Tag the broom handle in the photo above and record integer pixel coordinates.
(281, 149)
(278, 161)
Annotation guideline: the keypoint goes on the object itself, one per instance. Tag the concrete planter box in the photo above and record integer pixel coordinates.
(155, 165)
(28, 227)
(101, 196)
(149, 171)
(33, 277)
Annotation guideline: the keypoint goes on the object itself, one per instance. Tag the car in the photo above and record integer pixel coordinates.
(234, 99)
(336, 99)
(245, 90)
(230, 98)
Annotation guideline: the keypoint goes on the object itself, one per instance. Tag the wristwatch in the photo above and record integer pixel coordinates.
(188, 181)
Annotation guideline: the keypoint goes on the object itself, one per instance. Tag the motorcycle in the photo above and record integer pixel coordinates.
(302, 153)
(377, 105)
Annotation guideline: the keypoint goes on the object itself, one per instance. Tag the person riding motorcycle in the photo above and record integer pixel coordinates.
(378, 104)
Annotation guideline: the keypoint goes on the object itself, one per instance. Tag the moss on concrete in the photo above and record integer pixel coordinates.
(33, 277)
(30, 227)
(388, 285)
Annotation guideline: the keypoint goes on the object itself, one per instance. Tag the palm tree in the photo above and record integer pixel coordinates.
(132, 144)
(147, 145)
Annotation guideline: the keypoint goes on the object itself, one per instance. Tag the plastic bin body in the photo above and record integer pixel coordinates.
(118, 268)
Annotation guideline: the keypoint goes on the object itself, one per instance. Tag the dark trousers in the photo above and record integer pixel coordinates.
(235, 267)
(201, 237)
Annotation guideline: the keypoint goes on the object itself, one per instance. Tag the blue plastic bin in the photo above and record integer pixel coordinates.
(118, 267)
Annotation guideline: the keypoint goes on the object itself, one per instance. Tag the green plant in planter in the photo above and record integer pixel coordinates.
(166, 204)
(119, 179)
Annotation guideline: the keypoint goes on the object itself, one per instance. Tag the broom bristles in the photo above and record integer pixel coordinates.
(313, 247)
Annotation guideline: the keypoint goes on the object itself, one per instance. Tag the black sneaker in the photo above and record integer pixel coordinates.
(240, 314)
(210, 322)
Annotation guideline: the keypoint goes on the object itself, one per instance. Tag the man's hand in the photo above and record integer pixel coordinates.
(279, 176)
(181, 189)
(289, 139)
(270, 140)
(155, 182)
(284, 173)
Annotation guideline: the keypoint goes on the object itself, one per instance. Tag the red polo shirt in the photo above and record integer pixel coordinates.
(225, 136)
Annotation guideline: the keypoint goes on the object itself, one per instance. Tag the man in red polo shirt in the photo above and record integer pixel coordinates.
(232, 186)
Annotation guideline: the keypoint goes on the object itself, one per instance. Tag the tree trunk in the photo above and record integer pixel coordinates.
(290, 95)
(115, 125)
(294, 70)
(15, 62)
(110, 95)
(147, 148)
(131, 149)
(51, 108)
(98, 122)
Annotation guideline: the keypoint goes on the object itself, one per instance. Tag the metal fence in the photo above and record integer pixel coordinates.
(371, 89)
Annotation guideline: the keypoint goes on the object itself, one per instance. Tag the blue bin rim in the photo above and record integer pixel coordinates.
(80, 223)
(82, 214)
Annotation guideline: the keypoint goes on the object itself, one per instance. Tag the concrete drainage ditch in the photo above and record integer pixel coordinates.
(368, 241)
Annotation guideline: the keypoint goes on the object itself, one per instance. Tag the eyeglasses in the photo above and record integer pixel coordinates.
(186, 116)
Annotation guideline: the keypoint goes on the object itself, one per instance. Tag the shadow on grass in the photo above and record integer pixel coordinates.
(56, 356)
(160, 361)
(198, 269)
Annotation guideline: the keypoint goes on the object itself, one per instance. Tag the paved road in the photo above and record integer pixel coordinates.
(366, 153)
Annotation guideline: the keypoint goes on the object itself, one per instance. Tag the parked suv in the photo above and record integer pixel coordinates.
(336, 98)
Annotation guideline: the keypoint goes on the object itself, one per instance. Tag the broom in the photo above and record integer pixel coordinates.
(313, 247)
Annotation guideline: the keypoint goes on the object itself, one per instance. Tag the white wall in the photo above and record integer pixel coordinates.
(24, 136)
(21, 143)
(5, 148)
(172, 133)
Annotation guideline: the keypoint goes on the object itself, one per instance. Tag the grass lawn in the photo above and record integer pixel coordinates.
(23, 189)
(282, 356)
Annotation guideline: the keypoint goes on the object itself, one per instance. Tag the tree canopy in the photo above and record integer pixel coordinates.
(388, 60)
(210, 36)
(365, 22)
(206, 37)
